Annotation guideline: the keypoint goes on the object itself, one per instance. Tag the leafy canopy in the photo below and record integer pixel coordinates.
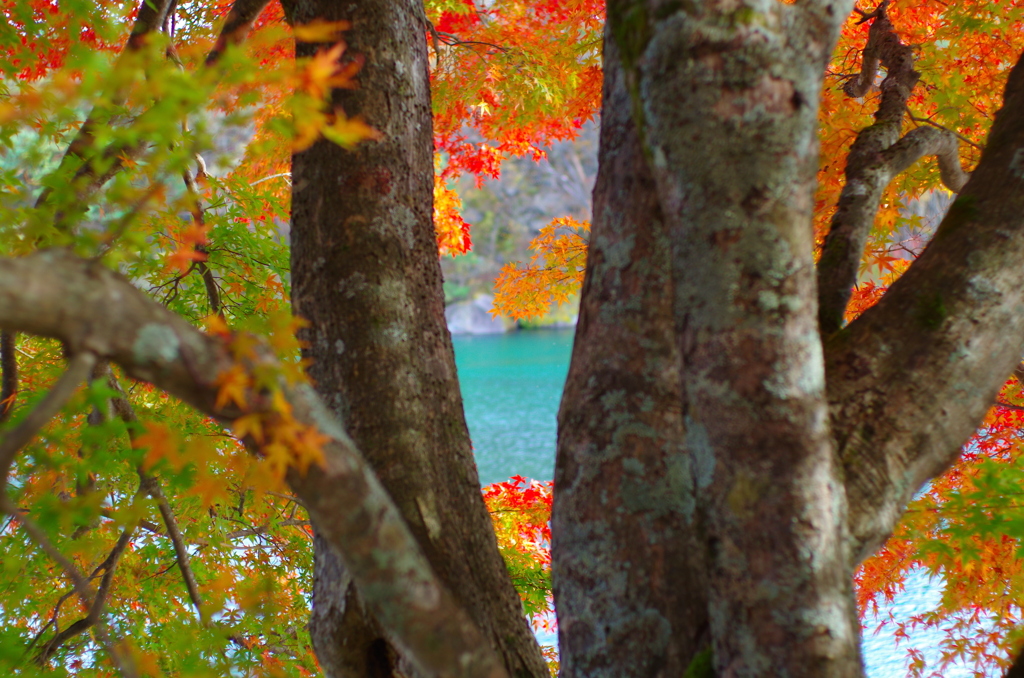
(198, 559)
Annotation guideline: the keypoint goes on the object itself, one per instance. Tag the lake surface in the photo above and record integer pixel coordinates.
(511, 387)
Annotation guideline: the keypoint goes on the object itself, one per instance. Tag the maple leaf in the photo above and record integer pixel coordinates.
(182, 258)
(159, 442)
(215, 325)
(348, 132)
(324, 72)
(232, 387)
(320, 30)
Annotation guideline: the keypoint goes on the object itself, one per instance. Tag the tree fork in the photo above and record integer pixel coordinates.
(951, 329)
(877, 156)
(729, 111)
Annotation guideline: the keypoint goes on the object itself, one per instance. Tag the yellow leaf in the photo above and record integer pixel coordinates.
(348, 132)
(214, 324)
(321, 31)
(160, 441)
(249, 425)
(232, 386)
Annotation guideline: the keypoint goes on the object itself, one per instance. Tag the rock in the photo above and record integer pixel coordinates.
(473, 317)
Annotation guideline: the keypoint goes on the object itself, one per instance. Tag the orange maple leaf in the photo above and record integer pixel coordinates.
(232, 386)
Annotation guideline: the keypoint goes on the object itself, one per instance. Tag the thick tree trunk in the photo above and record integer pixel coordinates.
(725, 103)
(627, 560)
(366, 275)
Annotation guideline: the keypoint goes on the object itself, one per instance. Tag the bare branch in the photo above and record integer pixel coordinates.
(90, 307)
(77, 372)
(961, 137)
(95, 614)
(1009, 406)
(882, 42)
(199, 219)
(927, 141)
(263, 529)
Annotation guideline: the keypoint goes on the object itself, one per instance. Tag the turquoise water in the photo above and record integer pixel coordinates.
(511, 386)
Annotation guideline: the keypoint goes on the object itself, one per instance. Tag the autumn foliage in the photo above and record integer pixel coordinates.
(508, 79)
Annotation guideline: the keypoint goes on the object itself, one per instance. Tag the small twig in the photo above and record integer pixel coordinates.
(152, 487)
(289, 497)
(77, 579)
(436, 40)
(78, 371)
(453, 41)
(959, 136)
(1008, 406)
(108, 566)
(146, 525)
(199, 219)
(272, 176)
(258, 530)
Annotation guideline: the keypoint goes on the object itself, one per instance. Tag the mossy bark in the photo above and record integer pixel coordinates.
(727, 96)
(627, 555)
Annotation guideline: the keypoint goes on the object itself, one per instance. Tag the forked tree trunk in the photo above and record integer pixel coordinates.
(366, 274)
(627, 556)
(724, 103)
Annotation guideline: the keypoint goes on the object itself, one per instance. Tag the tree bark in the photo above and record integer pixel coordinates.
(913, 376)
(627, 559)
(366, 274)
(726, 106)
(877, 156)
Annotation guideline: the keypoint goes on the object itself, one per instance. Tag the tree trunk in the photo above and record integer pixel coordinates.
(627, 558)
(365, 273)
(725, 104)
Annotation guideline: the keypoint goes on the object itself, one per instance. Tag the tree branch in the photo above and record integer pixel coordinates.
(152, 487)
(911, 378)
(87, 178)
(877, 156)
(124, 663)
(199, 219)
(92, 308)
(78, 371)
(95, 614)
(236, 27)
(149, 19)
